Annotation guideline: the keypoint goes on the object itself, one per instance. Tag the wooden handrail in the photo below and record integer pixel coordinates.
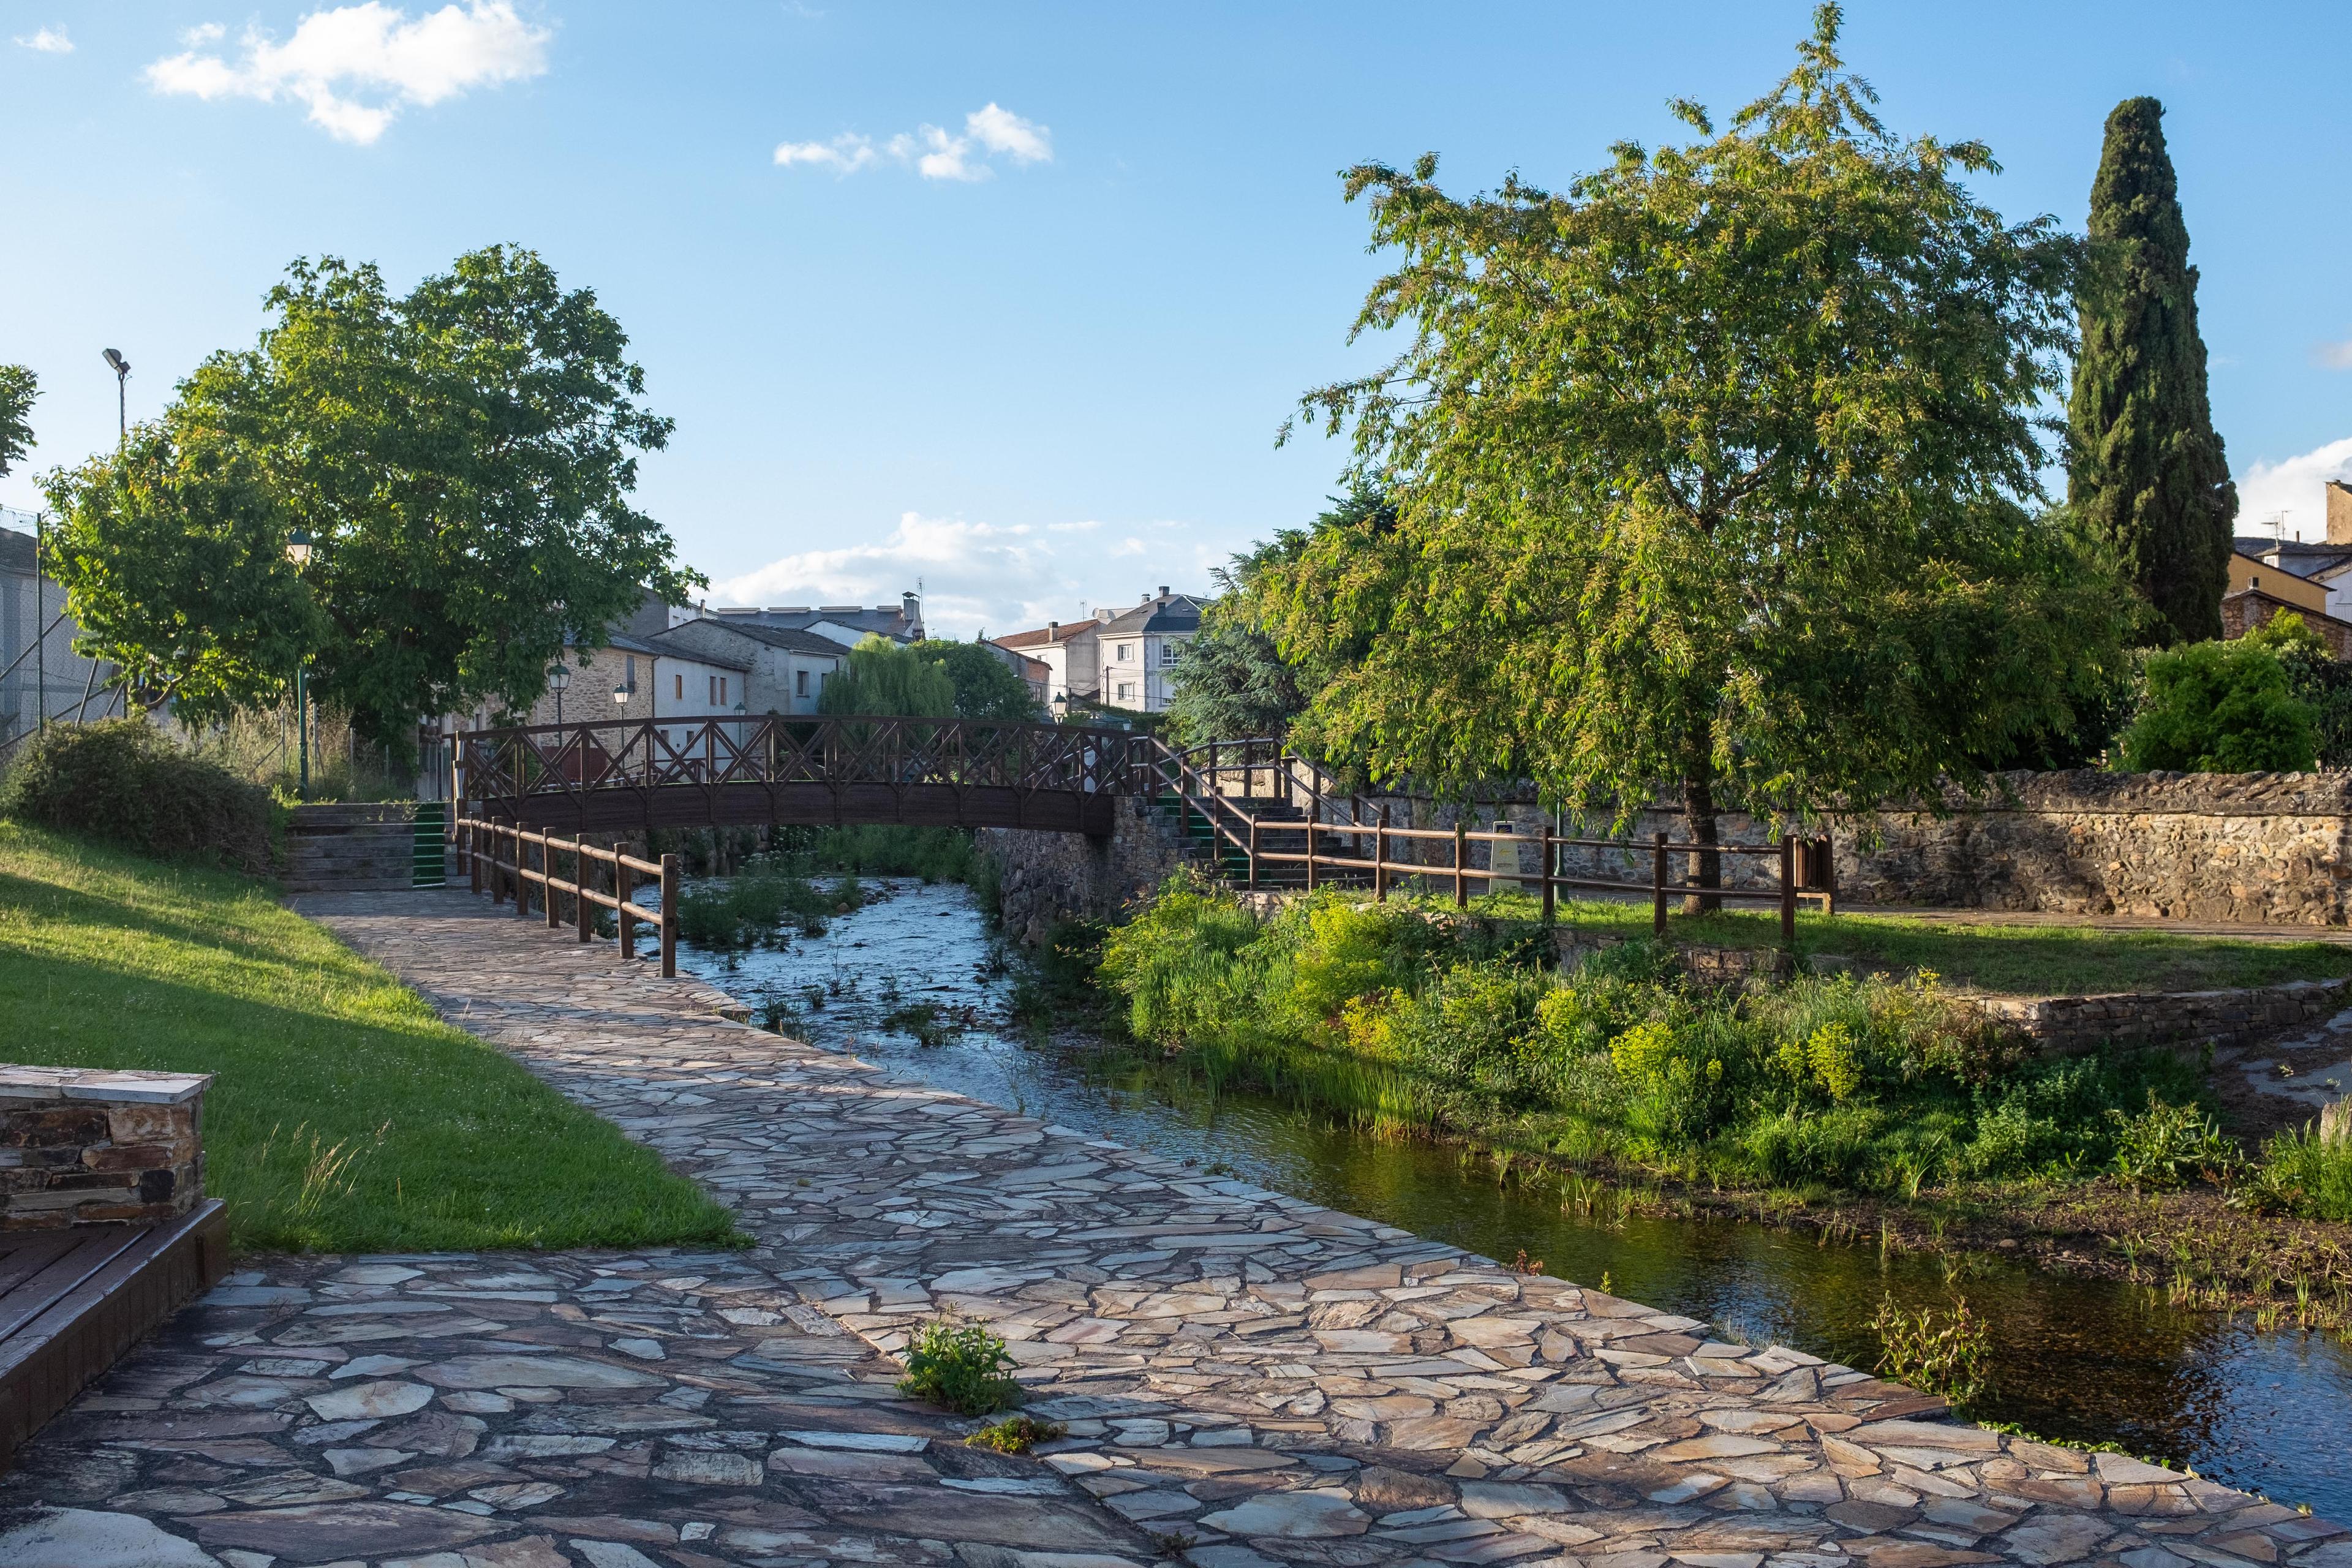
(479, 844)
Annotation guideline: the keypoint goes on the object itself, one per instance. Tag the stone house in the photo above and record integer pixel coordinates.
(784, 668)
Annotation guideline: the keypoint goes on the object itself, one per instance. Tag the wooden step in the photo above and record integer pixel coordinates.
(73, 1300)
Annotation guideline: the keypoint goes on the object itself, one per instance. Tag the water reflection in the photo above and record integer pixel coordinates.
(2084, 1359)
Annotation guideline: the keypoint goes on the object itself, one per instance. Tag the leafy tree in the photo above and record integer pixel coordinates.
(985, 685)
(1233, 682)
(2315, 678)
(2222, 708)
(1710, 473)
(2145, 468)
(18, 387)
(174, 551)
(888, 678)
(462, 457)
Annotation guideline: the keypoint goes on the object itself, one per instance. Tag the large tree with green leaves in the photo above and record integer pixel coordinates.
(461, 456)
(2145, 468)
(985, 685)
(1716, 473)
(18, 387)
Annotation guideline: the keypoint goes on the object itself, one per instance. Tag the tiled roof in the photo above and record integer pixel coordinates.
(15, 552)
(791, 639)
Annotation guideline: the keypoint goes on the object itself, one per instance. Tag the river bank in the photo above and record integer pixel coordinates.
(2087, 1355)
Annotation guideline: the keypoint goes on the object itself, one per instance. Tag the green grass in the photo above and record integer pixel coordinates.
(345, 1116)
(2008, 960)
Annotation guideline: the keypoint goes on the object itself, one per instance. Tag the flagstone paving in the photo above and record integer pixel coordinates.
(1246, 1378)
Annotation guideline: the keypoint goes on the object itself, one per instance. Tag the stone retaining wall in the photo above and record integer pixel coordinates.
(2234, 848)
(347, 847)
(2074, 1025)
(79, 1147)
(1045, 878)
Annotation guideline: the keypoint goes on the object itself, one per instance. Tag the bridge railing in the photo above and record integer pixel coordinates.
(539, 769)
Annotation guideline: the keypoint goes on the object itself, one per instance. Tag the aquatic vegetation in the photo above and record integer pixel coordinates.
(1939, 1353)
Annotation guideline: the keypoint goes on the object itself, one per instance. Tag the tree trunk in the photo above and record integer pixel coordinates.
(1706, 869)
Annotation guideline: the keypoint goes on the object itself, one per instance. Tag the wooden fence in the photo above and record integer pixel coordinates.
(497, 856)
(1337, 826)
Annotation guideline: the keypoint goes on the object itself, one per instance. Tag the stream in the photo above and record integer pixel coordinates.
(2090, 1360)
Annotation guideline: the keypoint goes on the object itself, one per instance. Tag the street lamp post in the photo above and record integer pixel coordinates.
(298, 550)
(122, 391)
(558, 678)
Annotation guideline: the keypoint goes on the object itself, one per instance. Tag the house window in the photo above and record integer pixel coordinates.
(1126, 652)
(800, 683)
(677, 684)
(1169, 650)
(1126, 692)
(630, 679)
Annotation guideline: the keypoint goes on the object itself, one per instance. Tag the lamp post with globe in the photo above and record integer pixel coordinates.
(298, 550)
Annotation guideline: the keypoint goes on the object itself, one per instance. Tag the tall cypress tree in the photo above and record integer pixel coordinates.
(2145, 469)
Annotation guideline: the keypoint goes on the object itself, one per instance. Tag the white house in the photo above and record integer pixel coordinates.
(784, 668)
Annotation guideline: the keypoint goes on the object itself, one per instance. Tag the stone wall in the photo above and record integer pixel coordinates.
(2229, 848)
(79, 1147)
(350, 847)
(2073, 1025)
(1048, 877)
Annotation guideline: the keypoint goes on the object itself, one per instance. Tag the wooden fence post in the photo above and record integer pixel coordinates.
(1788, 890)
(522, 887)
(1461, 864)
(1314, 815)
(547, 876)
(1253, 854)
(474, 856)
(1550, 868)
(579, 903)
(1380, 857)
(1658, 887)
(622, 878)
(669, 917)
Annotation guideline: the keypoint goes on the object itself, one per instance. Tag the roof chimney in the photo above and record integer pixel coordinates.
(1164, 593)
(2339, 512)
(1053, 631)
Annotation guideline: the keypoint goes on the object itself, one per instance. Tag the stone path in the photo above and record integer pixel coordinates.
(1247, 1379)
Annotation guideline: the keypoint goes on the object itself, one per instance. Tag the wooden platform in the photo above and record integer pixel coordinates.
(73, 1300)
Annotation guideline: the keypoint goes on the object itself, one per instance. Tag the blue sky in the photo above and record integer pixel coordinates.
(1045, 369)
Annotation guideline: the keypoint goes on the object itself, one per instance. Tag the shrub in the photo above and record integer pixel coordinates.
(961, 1367)
(2221, 707)
(1184, 965)
(122, 779)
(1465, 1031)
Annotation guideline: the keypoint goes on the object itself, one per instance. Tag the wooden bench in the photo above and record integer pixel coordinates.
(73, 1301)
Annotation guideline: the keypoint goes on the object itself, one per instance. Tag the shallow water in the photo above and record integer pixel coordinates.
(2080, 1359)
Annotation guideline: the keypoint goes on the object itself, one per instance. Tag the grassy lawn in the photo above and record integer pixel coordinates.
(2018, 959)
(345, 1116)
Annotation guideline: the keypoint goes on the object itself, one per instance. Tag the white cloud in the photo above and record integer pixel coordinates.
(2293, 486)
(354, 68)
(975, 575)
(203, 33)
(1002, 131)
(2335, 357)
(931, 152)
(845, 154)
(48, 41)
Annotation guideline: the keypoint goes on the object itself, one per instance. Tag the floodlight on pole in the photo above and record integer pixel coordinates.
(122, 368)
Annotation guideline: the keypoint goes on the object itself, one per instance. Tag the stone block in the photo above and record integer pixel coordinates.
(87, 1146)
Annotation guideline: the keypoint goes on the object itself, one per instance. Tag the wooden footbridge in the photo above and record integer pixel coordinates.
(534, 798)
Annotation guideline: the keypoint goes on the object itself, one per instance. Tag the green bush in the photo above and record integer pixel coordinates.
(123, 781)
(961, 1367)
(2221, 707)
